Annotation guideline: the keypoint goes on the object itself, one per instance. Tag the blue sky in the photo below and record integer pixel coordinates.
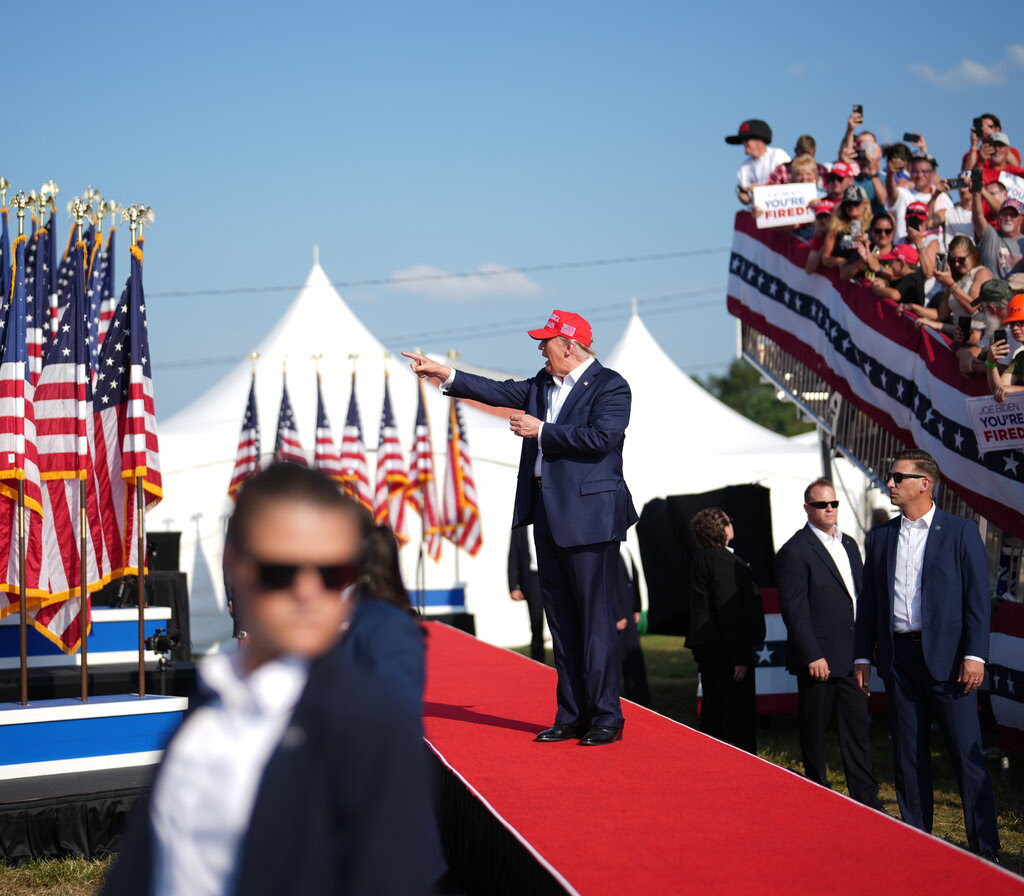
(414, 138)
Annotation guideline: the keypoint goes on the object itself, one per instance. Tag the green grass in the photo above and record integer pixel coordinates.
(673, 679)
(60, 877)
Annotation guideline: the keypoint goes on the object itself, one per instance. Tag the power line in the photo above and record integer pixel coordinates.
(504, 328)
(392, 281)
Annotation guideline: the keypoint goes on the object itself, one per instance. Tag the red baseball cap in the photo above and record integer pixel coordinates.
(843, 170)
(567, 324)
(916, 210)
(903, 251)
(824, 207)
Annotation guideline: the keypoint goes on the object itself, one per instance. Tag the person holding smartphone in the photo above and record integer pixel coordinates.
(922, 173)
(1009, 379)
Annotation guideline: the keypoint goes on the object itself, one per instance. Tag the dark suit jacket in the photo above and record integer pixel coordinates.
(342, 804)
(816, 607)
(725, 606)
(582, 468)
(390, 645)
(955, 607)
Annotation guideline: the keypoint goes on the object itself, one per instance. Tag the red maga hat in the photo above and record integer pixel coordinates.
(567, 324)
(904, 251)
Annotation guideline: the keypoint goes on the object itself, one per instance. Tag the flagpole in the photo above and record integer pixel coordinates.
(21, 201)
(137, 215)
(79, 209)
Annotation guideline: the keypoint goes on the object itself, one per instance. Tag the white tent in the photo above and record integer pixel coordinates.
(198, 449)
(683, 440)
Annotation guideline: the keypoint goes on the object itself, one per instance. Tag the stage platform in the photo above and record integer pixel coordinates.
(665, 811)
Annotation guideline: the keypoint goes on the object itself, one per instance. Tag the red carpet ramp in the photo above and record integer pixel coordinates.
(666, 810)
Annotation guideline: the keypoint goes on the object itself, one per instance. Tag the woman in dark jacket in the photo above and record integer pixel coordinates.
(726, 625)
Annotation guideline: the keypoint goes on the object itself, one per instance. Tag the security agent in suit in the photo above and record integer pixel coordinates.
(524, 585)
(818, 571)
(923, 615)
(297, 771)
(573, 417)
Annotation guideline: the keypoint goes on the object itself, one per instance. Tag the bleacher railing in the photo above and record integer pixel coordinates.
(874, 383)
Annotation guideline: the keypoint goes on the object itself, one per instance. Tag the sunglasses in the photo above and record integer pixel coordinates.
(899, 477)
(277, 576)
(882, 229)
(821, 505)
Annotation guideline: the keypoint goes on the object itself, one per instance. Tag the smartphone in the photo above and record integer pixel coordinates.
(964, 322)
(999, 335)
(976, 180)
(858, 108)
(940, 261)
(958, 183)
(976, 126)
(911, 138)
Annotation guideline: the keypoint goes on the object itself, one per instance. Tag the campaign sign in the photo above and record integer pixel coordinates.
(783, 205)
(1014, 185)
(998, 426)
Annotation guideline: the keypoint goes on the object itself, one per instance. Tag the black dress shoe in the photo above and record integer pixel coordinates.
(990, 855)
(600, 735)
(558, 731)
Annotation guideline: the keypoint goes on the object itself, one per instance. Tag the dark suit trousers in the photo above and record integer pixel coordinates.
(578, 585)
(818, 699)
(728, 709)
(535, 604)
(915, 698)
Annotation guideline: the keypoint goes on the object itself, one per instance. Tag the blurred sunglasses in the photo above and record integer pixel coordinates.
(276, 576)
(821, 505)
(882, 229)
(899, 477)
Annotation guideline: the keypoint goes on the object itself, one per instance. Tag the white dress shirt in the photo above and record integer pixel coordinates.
(558, 392)
(833, 542)
(207, 786)
(906, 586)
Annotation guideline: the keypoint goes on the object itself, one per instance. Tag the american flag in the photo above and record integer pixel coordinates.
(1006, 674)
(18, 460)
(247, 457)
(37, 291)
(64, 427)
(355, 471)
(98, 264)
(108, 292)
(126, 443)
(288, 446)
(392, 482)
(460, 517)
(422, 482)
(71, 265)
(326, 455)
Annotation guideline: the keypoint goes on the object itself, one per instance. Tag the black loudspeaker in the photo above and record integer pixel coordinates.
(667, 546)
(163, 550)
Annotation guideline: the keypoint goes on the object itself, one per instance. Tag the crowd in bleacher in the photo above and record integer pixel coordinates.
(886, 219)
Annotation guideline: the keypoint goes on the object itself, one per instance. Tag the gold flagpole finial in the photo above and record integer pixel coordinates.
(137, 216)
(5, 185)
(316, 361)
(48, 194)
(21, 201)
(109, 207)
(79, 210)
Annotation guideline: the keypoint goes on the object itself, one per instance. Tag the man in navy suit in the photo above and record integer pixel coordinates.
(923, 615)
(573, 418)
(819, 572)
